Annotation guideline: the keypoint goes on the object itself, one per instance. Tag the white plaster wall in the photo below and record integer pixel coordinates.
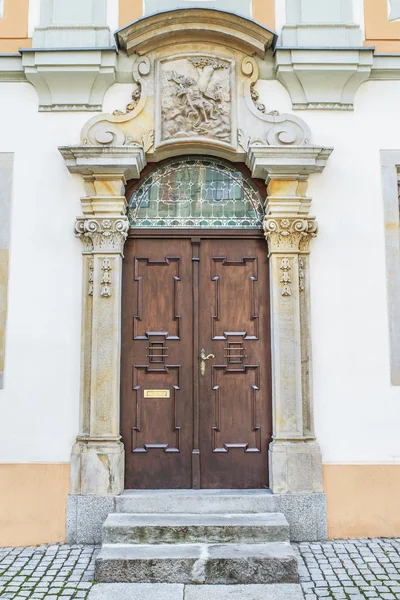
(40, 403)
(357, 410)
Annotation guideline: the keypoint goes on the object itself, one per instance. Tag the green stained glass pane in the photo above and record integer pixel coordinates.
(196, 193)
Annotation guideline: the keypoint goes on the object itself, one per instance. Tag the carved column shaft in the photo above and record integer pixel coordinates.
(97, 464)
(97, 460)
(295, 458)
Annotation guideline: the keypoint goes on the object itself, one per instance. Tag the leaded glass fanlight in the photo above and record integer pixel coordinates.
(196, 192)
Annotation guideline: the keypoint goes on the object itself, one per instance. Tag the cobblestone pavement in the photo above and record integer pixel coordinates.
(343, 570)
(48, 572)
(351, 569)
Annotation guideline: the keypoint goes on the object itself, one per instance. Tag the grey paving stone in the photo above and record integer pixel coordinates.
(133, 591)
(243, 592)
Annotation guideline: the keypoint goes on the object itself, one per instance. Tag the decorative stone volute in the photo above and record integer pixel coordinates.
(104, 235)
(289, 235)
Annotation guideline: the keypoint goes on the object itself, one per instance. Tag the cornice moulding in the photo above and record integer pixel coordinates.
(169, 28)
(386, 67)
(124, 161)
(11, 68)
(275, 161)
(72, 79)
(304, 74)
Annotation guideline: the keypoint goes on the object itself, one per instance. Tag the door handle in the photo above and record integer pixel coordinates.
(203, 358)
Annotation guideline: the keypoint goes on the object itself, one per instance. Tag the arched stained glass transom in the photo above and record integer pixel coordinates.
(195, 192)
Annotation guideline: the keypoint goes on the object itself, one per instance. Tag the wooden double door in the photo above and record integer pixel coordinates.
(195, 372)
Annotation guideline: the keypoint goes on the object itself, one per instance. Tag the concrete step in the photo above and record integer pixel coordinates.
(197, 563)
(170, 591)
(196, 501)
(186, 528)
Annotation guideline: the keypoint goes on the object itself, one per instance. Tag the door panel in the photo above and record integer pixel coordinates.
(156, 382)
(180, 428)
(235, 419)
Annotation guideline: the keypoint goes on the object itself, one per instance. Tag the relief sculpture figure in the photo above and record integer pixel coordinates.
(197, 103)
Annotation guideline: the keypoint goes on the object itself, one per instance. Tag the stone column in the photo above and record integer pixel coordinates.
(97, 461)
(294, 455)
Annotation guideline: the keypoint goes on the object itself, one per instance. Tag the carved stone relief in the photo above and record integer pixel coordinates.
(196, 98)
(205, 97)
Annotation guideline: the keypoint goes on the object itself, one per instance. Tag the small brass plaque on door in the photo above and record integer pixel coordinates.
(157, 393)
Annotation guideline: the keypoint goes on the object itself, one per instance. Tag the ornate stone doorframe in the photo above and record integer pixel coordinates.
(116, 148)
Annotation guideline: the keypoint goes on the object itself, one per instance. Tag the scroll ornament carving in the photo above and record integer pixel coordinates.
(291, 235)
(283, 129)
(136, 95)
(107, 129)
(105, 235)
(255, 96)
(196, 102)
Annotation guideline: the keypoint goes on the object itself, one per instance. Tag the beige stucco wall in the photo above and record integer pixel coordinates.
(263, 11)
(33, 503)
(379, 31)
(362, 500)
(14, 26)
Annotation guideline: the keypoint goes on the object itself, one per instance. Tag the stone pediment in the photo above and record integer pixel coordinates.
(196, 97)
(182, 26)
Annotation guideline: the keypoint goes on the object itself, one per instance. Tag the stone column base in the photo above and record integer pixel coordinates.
(295, 468)
(97, 468)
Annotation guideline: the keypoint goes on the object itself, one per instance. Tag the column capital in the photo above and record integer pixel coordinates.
(102, 235)
(289, 234)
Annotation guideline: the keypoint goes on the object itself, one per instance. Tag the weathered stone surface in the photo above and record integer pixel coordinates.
(195, 528)
(306, 513)
(195, 501)
(85, 517)
(198, 563)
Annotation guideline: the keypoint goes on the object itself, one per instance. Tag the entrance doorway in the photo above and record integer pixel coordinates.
(195, 368)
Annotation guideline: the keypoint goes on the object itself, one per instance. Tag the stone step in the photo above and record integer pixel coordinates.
(170, 591)
(189, 528)
(196, 501)
(197, 563)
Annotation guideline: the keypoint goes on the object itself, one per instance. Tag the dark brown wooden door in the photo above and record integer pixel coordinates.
(235, 424)
(184, 293)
